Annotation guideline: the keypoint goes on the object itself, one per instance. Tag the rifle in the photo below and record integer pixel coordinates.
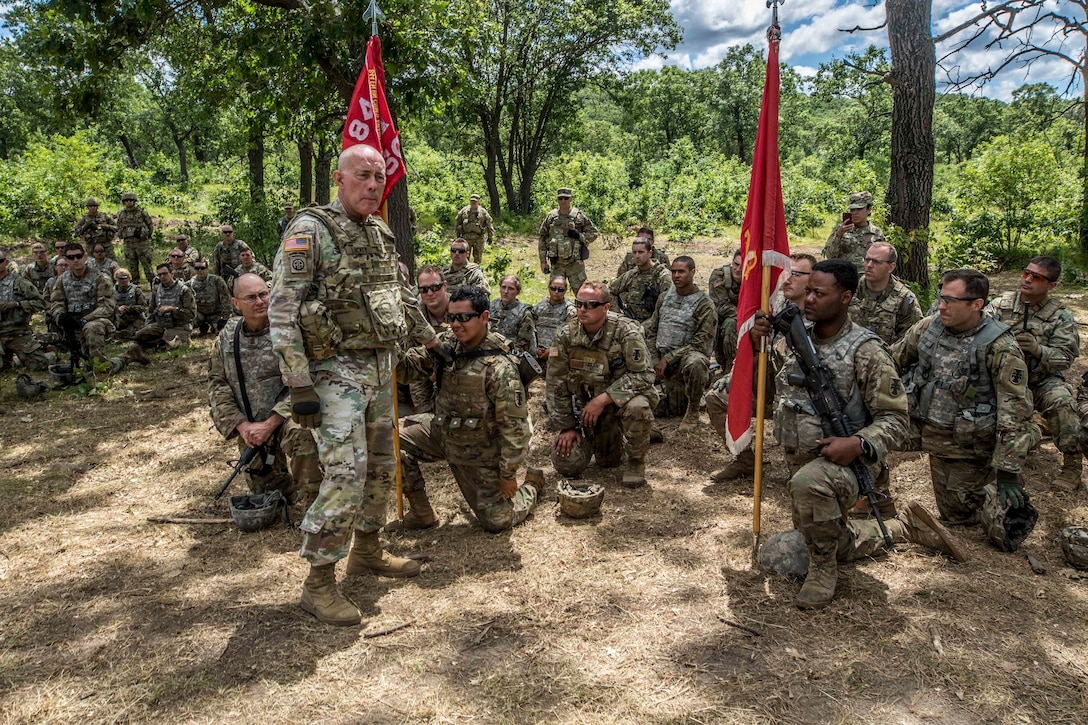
(242, 465)
(816, 379)
(1027, 315)
(70, 323)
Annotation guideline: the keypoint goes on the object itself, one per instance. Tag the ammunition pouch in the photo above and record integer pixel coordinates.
(321, 334)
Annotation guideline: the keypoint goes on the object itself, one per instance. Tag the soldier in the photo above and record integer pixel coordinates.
(473, 224)
(601, 393)
(636, 290)
(852, 238)
(192, 254)
(883, 304)
(93, 227)
(969, 401)
(680, 336)
(432, 293)
(285, 220)
(82, 305)
(100, 263)
(724, 284)
(336, 272)
(564, 238)
(1048, 337)
(58, 248)
(646, 235)
(248, 265)
(249, 401)
(227, 254)
(551, 314)
(513, 319)
(462, 272)
(19, 300)
(131, 305)
(822, 487)
(39, 270)
(172, 310)
(135, 226)
(480, 424)
(179, 266)
(212, 299)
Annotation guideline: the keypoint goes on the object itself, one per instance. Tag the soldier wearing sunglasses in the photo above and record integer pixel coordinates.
(461, 272)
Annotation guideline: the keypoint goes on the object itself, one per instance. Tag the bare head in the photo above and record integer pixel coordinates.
(360, 180)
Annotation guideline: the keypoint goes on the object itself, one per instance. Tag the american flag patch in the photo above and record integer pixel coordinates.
(296, 244)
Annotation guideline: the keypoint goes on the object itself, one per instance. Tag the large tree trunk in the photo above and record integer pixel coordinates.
(129, 151)
(255, 155)
(306, 171)
(910, 188)
(323, 173)
(1084, 164)
(200, 151)
(183, 156)
(397, 208)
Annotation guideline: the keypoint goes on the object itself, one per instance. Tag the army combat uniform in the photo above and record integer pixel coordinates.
(549, 318)
(725, 293)
(92, 229)
(135, 227)
(480, 426)
(258, 269)
(853, 245)
(108, 267)
(475, 227)
(133, 316)
(681, 332)
(889, 313)
(628, 263)
(244, 384)
(470, 274)
(421, 388)
(563, 240)
(170, 326)
(639, 290)
(84, 305)
(227, 257)
(213, 307)
(19, 300)
(515, 323)
(38, 276)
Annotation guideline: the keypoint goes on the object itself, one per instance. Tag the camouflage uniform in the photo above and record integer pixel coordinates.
(473, 227)
(889, 313)
(135, 226)
(108, 267)
(192, 255)
(174, 326)
(515, 323)
(92, 229)
(470, 274)
(266, 395)
(639, 290)
(135, 304)
(19, 300)
(258, 269)
(212, 302)
(1054, 327)
(681, 332)
(38, 276)
(970, 408)
(89, 297)
(549, 318)
(614, 360)
(183, 274)
(480, 425)
(628, 262)
(725, 293)
(559, 251)
(227, 257)
(356, 273)
(421, 388)
(853, 245)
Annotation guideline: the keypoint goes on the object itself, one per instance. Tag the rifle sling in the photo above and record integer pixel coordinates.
(239, 371)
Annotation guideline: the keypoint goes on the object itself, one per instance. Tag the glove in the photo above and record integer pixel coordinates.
(573, 234)
(68, 321)
(1009, 491)
(444, 352)
(306, 407)
(1029, 344)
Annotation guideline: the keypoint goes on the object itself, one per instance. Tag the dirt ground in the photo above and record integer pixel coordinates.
(651, 613)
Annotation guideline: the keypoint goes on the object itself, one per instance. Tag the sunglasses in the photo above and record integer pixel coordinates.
(199, 269)
(175, 256)
(432, 287)
(461, 317)
(558, 289)
(949, 299)
(458, 250)
(73, 256)
(588, 304)
(1034, 276)
(799, 273)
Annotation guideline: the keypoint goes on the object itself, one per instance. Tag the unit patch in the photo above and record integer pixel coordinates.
(298, 264)
(300, 243)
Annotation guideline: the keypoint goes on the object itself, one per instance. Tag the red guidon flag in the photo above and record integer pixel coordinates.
(363, 125)
(763, 241)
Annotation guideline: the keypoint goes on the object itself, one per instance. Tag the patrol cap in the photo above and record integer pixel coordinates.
(474, 197)
(128, 196)
(289, 205)
(91, 201)
(564, 193)
(226, 228)
(861, 200)
(179, 237)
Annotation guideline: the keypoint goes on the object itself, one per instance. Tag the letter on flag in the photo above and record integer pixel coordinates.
(363, 125)
(763, 241)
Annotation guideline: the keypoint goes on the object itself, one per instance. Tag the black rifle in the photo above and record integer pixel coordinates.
(70, 324)
(242, 466)
(817, 381)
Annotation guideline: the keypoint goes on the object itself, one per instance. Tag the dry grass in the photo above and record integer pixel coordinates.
(108, 618)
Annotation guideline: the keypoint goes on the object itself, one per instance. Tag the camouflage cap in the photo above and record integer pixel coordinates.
(91, 201)
(861, 200)
(564, 193)
(289, 205)
(128, 196)
(474, 197)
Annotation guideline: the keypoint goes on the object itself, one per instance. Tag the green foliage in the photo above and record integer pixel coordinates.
(431, 248)
(254, 222)
(93, 378)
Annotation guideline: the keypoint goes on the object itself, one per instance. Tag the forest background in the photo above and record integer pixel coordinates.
(222, 111)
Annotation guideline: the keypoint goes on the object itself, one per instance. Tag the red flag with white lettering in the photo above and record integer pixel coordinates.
(763, 242)
(363, 125)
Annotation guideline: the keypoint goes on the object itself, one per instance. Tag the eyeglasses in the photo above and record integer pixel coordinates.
(558, 289)
(432, 287)
(199, 269)
(172, 255)
(250, 299)
(870, 260)
(799, 273)
(461, 317)
(588, 304)
(949, 299)
(73, 256)
(458, 250)
(1027, 274)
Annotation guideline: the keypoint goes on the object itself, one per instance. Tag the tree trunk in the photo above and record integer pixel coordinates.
(323, 173)
(200, 151)
(255, 155)
(910, 187)
(1084, 165)
(397, 208)
(738, 124)
(306, 171)
(183, 156)
(129, 151)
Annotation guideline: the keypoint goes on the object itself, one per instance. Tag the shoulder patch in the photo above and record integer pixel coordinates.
(300, 243)
(636, 354)
(1016, 375)
(298, 263)
(519, 398)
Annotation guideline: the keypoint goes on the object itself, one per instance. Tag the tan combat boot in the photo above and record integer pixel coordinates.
(634, 475)
(535, 477)
(1069, 478)
(819, 587)
(921, 528)
(420, 515)
(690, 421)
(742, 466)
(322, 598)
(135, 353)
(367, 556)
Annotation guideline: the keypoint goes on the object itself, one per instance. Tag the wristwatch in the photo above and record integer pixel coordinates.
(867, 448)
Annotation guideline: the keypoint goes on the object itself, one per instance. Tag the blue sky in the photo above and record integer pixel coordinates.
(811, 34)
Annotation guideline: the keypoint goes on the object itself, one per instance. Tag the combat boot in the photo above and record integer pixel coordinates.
(634, 475)
(367, 555)
(1069, 478)
(743, 465)
(322, 598)
(921, 528)
(420, 515)
(690, 422)
(535, 477)
(135, 353)
(819, 587)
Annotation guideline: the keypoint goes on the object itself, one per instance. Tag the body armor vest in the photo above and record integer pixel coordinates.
(560, 246)
(229, 255)
(507, 320)
(167, 296)
(589, 372)
(876, 314)
(464, 417)
(1041, 322)
(676, 320)
(38, 277)
(9, 292)
(127, 297)
(259, 364)
(548, 319)
(206, 292)
(132, 224)
(471, 224)
(81, 292)
(642, 293)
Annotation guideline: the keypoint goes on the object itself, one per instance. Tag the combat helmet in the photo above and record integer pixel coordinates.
(785, 554)
(253, 512)
(580, 500)
(128, 196)
(1006, 527)
(91, 201)
(1075, 546)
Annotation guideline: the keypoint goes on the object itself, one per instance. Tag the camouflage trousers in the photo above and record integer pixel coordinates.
(204, 323)
(476, 244)
(137, 253)
(717, 402)
(422, 392)
(958, 485)
(355, 443)
(725, 342)
(21, 342)
(618, 431)
(692, 372)
(822, 493)
(156, 335)
(1055, 400)
(479, 484)
(94, 334)
(296, 470)
(127, 323)
(574, 270)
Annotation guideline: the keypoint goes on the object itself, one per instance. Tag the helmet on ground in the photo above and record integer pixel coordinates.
(580, 500)
(128, 196)
(785, 554)
(1006, 527)
(63, 374)
(1075, 546)
(253, 512)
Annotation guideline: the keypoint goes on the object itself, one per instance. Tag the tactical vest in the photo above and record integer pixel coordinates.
(471, 225)
(97, 228)
(81, 293)
(228, 256)
(588, 369)
(464, 419)
(9, 292)
(507, 321)
(458, 278)
(126, 296)
(38, 277)
(132, 224)
(168, 296)
(560, 246)
(797, 425)
(206, 292)
(548, 319)
(1040, 323)
(950, 386)
(259, 364)
(876, 314)
(676, 319)
(642, 293)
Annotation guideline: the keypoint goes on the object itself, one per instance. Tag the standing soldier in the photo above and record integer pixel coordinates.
(39, 270)
(92, 228)
(461, 272)
(884, 304)
(645, 234)
(724, 286)
(19, 299)
(82, 305)
(227, 254)
(511, 318)
(285, 220)
(551, 314)
(637, 290)
(131, 304)
(853, 237)
(135, 225)
(1048, 337)
(473, 224)
(212, 299)
(564, 239)
(601, 392)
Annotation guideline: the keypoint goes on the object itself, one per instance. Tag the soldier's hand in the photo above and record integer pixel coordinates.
(509, 488)
(659, 369)
(541, 353)
(566, 441)
(443, 352)
(842, 451)
(844, 228)
(573, 234)
(1029, 343)
(306, 407)
(761, 327)
(1009, 491)
(545, 267)
(592, 410)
